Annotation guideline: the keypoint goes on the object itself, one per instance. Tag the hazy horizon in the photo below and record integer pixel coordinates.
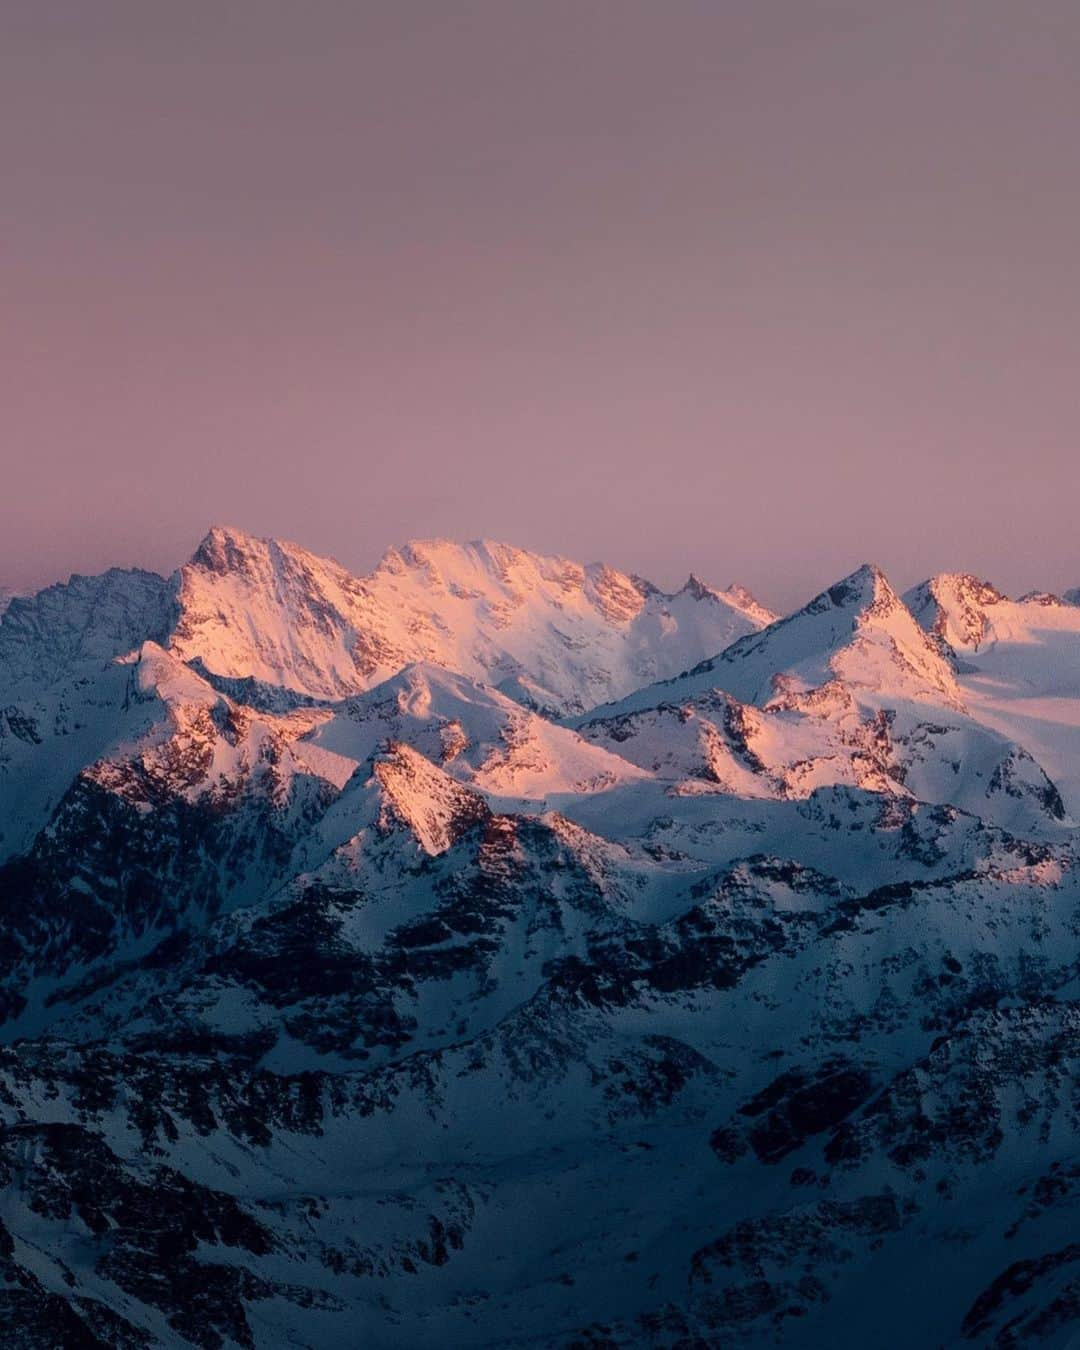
(755, 290)
(670, 582)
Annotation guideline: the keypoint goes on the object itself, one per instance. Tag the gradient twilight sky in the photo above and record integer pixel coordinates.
(758, 288)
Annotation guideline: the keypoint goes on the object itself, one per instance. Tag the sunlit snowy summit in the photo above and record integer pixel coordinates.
(495, 950)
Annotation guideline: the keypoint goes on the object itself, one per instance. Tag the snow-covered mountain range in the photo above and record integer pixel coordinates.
(551, 633)
(497, 951)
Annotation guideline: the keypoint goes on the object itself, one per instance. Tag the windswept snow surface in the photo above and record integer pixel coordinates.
(496, 952)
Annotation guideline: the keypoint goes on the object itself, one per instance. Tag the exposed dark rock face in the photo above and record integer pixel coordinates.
(792, 1107)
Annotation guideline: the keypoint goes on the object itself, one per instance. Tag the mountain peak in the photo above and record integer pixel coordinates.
(47, 635)
(953, 607)
(223, 545)
(698, 589)
(749, 604)
(702, 590)
(557, 634)
(417, 795)
(857, 630)
(866, 586)
(226, 549)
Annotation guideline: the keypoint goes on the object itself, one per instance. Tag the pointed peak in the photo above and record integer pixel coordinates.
(220, 534)
(698, 589)
(735, 597)
(952, 606)
(746, 601)
(421, 797)
(965, 586)
(865, 597)
(866, 586)
(225, 548)
(418, 681)
(858, 630)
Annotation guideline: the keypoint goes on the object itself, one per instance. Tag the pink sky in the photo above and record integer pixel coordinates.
(756, 289)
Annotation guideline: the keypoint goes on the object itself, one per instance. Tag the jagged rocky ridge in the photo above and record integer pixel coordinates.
(364, 982)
